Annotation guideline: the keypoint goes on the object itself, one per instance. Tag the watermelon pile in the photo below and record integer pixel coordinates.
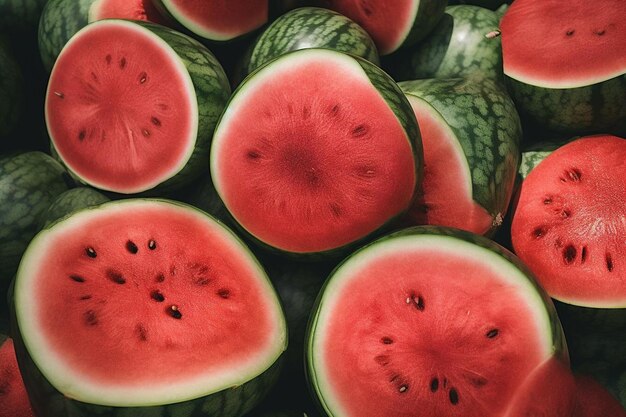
(312, 208)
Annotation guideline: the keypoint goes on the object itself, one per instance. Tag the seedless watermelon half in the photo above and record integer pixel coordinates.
(217, 20)
(570, 224)
(566, 62)
(131, 106)
(431, 322)
(141, 304)
(315, 151)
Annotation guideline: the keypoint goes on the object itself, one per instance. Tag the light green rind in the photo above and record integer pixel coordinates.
(311, 27)
(29, 181)
(465, 40)
(60, 20)
(69, 202)
(556, 335)
(595, 108)
(487, 126)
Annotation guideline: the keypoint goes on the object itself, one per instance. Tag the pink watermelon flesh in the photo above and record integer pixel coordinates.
(219, 19)
(325, 161)
(569, 225)
(435, 345)
(387, 22)
(446, 187)
(549, 391)
(125, 9)
(593, 400)
(555, 44)
(120, 109)
(13, 397)
(150, 296)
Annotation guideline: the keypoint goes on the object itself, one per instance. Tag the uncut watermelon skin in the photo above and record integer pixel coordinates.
(488, 128)
(212, 90)
(29, 181)
(70, 201)
(456, 47)
(311, 27)
(594, 108)
(559, 345)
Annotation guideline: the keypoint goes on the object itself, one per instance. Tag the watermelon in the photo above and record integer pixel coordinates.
(70, 201)
(566, 62)
(310, 27)
(29, 181)
(11, 90)
(217, 21)
(569, 222)
(145, 307)
(392, 25)
(471, 136)
(431, 319)
(20, 15)
(13, 398)
(333, 154)
(61, 19)
(465, 40)
(131, 106)
(594, 400)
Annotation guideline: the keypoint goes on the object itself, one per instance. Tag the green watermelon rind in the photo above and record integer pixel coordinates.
(311, 27)
(559, 344)
(20, 16)
(579, 110)
(234, 401)
(428, 14)
(70, 201)
(485, 122)
(211, 89)
(400, 106)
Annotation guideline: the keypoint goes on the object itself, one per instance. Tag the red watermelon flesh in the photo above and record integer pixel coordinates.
(13, 397)
(569, 224)
(387, 22)
(446, 198)
(125, 9)
(145, 301)
(557, 44)
(219, 19)
(549, 391)
(593, 400)
(121, 108)
(432, 345)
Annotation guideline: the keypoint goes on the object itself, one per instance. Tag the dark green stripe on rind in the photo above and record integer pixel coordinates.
(595, 108)
(487, 126)
(559, 345)
(311, 27)
(70, 201)
(60, 20)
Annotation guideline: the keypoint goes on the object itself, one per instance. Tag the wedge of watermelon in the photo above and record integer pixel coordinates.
(316, 151)
(566, 62)
(428, 320)
(131, 106)
(145, 307)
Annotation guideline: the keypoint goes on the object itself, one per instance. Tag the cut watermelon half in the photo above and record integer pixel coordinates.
(217, 20)
(430, 319)
(131, 106)
(144, 303)
(569, 225)
(315, 151)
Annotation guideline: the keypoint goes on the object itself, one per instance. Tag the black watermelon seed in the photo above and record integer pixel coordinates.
(492, 333)
(609, 262)
(157, 296)
(569, 254)
(91, 252)
(155, 121)
(252, 154)
(174, 312)
(454, 396)
(434, 384)
(132, 247)
(142, 333)
(77, 278)
(116, 277)
(539, 232)
(81, 135)
(85, 297)
(599, 32)
(386, 340)
(90, 318)
(360, 131)
(151, 244)
(122, 63)
(583, 254)
(417, 301)
(570, 32)
(143, 77)
(224, 293)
